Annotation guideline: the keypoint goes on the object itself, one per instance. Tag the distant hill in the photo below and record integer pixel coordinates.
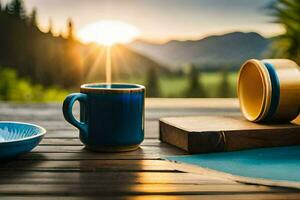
(232, 48)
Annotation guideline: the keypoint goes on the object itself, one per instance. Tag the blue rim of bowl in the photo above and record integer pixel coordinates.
(86, 88)
(43, 132)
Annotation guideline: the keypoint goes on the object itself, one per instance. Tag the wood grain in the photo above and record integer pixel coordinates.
(61, 168)
(199, 134)
(231, 196)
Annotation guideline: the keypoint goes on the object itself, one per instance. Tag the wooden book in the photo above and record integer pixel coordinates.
(202, 134)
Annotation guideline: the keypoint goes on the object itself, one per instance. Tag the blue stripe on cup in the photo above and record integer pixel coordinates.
(275, 91)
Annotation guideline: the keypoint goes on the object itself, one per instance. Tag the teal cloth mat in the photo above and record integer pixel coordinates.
(280, 163)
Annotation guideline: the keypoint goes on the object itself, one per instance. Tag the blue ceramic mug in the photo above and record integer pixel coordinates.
(111, 116)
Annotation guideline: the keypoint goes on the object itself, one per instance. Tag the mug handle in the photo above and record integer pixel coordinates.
(68, 108)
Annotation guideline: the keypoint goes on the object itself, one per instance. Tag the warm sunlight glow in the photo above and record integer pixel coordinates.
(108, 32)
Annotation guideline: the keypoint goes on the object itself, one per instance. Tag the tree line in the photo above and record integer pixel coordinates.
(52, 60)
(40, 56)
(62, 60)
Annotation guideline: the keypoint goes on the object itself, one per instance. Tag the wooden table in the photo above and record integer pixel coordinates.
(61, 168)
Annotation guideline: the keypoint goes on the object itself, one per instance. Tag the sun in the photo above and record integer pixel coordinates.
(108, 32)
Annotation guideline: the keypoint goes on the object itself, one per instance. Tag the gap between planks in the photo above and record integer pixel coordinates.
(135, 189)
(232, 196)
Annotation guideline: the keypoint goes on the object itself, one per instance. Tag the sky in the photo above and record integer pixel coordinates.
(161, 20)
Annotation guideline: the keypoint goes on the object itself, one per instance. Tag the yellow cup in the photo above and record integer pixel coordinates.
(269, 90)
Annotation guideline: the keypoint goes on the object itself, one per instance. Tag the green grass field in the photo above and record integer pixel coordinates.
(13, 88)
(176, 86)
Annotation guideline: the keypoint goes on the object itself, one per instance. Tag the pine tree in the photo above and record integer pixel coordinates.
(17, 9)
(6, 9)
(224, 87)
(33, 18)
(196, 88)
(287, 13)
(61, 34)
(50, 27)
(152, 84)
(1, 10)
(70, 30)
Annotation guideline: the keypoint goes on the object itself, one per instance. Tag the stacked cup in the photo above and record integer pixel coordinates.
(269, 90)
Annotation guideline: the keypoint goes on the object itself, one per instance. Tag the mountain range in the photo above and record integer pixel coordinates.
(213, 51)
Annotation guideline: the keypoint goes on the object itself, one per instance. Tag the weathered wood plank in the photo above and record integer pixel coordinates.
(231, 196)
(61, 169)
(134, 189)
(151, 114)
(203, 134)
(89, 165)
(72, 149)
(143, 153)
(89, 156)
(65, 134)
(76, 142)
(63, 129)
(155, 108)
(109, 178)
(151, 103)
(81, 148)
(82, 156)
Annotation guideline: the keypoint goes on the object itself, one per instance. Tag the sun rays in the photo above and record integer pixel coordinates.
(102, 58)
(108, 32)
